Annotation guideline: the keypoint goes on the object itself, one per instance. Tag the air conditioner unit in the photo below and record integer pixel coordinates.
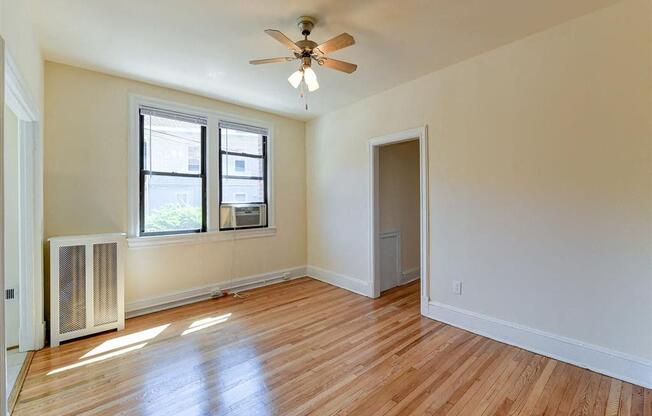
(242, 216)
(86, 285)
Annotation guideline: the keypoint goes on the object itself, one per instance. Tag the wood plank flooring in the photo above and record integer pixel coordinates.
(305, 347)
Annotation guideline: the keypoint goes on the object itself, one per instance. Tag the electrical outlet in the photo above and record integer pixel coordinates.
(457, 287)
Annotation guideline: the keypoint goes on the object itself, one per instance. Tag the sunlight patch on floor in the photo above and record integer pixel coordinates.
(98, 358)
(135, 341)
(123, 341)
(206, 323)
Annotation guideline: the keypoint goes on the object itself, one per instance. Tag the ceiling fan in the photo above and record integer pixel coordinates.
(308, 51)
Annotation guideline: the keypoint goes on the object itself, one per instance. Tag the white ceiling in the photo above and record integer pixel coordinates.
(204, 46)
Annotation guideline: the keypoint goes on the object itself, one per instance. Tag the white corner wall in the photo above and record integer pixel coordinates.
(18, 31)
(540, 189)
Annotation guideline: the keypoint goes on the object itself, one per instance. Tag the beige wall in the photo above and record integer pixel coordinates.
(399, 197)
(86, 136)
(539, 179)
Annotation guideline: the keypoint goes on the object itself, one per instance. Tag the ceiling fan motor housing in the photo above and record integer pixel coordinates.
(306, 24)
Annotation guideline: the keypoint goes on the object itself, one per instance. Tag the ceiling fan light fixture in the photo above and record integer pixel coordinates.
(310, 78)
(307, 51)
(295, 78)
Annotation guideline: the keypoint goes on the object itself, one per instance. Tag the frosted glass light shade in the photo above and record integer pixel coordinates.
(295, 78)
(311, 79)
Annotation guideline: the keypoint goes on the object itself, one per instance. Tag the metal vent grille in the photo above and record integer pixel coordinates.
(105, 283)
(10, 294)
(72, 288)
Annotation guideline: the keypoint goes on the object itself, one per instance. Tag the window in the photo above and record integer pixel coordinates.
(191, 170)
(172, 172)
(243, 165)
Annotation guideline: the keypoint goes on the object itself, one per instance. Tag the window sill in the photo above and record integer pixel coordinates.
(199, 238)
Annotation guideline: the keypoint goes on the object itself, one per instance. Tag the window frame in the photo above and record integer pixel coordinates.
(264, 178)
(212, 233)
(144, 173)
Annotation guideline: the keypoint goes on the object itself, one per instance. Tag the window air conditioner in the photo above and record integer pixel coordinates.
(242, 216)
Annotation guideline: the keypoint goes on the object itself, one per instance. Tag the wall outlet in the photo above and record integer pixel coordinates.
(457, 287)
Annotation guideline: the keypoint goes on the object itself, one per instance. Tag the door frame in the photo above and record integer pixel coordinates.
(3, 347)
(420, 134)
(30, 294)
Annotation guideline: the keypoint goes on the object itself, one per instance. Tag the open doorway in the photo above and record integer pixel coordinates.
(22, 226)
(12, 266)
(398, 211)
(398, 189)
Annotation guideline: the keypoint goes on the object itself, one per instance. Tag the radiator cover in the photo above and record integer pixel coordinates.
(86, 285)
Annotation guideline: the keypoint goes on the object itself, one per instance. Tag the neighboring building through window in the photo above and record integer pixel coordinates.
(172, 173)
(243, 165)
(194, 158)
(177, 163)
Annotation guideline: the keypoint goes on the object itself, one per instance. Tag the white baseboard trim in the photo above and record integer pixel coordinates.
(602, 360)
(410, 275)
(172, 300)
(345, 282)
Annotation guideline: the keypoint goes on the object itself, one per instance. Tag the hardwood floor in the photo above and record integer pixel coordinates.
(304, 347)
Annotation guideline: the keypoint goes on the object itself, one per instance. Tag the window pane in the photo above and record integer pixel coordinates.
(172, 203)
(242, 191)
(171, 145)
(241, 142)
(242, 166)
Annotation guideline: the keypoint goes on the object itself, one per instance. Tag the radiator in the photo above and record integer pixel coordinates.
(86, 285)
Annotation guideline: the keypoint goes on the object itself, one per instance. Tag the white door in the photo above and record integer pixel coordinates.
(389, 253)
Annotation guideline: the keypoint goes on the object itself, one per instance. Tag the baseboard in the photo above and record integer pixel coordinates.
(20, 380)
(345, 282)
(172, 300)
(410, 275)
(612, 363)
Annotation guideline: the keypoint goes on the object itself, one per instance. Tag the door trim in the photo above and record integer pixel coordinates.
(420, 134)
(30, 294)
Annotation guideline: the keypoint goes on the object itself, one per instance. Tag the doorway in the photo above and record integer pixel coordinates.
(399, 211)
(12, 251)
(22, 229)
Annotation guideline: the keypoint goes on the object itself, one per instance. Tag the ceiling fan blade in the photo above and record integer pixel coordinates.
(337, 43)
(337, 65)
(271, 60)
(283, 39)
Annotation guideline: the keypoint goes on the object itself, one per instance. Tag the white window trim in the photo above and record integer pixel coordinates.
(213, 232)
